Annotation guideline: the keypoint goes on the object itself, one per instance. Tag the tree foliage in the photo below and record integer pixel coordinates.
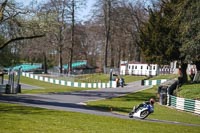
(118, 30)
(10, 20)
(172, 33)
(159, 36)
(190, 29)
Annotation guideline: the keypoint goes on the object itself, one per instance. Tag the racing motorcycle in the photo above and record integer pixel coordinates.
(141, 112)
(121, 82)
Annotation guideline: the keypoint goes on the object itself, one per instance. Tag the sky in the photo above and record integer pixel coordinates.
(83, 13)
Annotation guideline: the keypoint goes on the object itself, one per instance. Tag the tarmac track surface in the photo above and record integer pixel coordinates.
(75, 101)
(25, 86)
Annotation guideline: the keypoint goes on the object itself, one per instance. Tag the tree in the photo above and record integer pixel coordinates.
(56, 14)
(8, 16)
(170, 34)
(72, 35)
(133, 17)
(189, 30)
(104, 15)
(158, 36)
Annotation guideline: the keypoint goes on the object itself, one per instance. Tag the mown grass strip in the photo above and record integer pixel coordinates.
(47, 87)
(20, 119)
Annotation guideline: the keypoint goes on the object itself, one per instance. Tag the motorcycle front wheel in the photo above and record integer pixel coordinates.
(130, 115)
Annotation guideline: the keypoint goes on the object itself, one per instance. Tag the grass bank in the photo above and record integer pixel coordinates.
(190, 91)
(165, 76)
(124, 105)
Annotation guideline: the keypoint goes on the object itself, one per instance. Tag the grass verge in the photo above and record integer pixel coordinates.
(190, 91)
(53, 88)
(124, 105)
(47, 87)
(20, 119)
(165, 76)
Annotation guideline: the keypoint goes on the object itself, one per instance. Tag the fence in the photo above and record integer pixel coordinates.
(111, 84)
(184, 104)
(153, 82)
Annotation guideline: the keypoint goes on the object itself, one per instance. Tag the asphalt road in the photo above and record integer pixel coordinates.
(75, 101)
(25, 86)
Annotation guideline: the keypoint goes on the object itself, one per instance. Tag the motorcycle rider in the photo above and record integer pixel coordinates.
(121, 82)
(149, 103)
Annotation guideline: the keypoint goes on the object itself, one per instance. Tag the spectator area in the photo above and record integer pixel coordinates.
(26, 67)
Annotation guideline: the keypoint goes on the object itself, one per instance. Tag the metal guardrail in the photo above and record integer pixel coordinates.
(168, 87)
(153, 82)
(184, 104)
(111, 84)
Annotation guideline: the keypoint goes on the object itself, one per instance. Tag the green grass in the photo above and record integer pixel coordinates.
(93, 78)
(47, 87)
(87, 78)
(130, 78)
(44, 87)
(190, 91)
(124, 105)
(16, 118)
(166, 76)
(99, 77)
(20, 119)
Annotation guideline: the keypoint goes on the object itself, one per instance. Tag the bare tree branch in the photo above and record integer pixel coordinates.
(20, 38)
(2, 8)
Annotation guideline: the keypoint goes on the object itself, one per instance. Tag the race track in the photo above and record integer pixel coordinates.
(75, 101)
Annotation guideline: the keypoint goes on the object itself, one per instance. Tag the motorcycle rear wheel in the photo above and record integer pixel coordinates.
(144, 114)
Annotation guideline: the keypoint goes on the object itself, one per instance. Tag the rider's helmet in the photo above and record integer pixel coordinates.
(152, 101)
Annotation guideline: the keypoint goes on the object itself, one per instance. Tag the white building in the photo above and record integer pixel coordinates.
(137, 68)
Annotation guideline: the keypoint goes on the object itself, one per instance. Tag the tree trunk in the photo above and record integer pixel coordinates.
(72, 38)
(112, 59)
(184, 72)
(119, 58)
(60, 60)
(45, 63)
(107, 11)
(197, 63)
(137, 53)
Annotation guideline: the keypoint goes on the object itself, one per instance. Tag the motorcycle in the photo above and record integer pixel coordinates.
(121, 82)
(141, 112)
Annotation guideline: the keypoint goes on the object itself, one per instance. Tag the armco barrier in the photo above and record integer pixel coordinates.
(111, 84)
(184, 104)
(153, 82)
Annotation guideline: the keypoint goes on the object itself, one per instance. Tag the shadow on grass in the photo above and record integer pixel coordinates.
(41, 102)
(15, 109)
(49, 102)
(138, 96)
(133, 99)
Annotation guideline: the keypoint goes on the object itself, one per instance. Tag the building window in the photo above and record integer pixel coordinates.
(129, 67)
(154, 67)
(135, 67)
(132, 67)
(147, 67)
(141, 67)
